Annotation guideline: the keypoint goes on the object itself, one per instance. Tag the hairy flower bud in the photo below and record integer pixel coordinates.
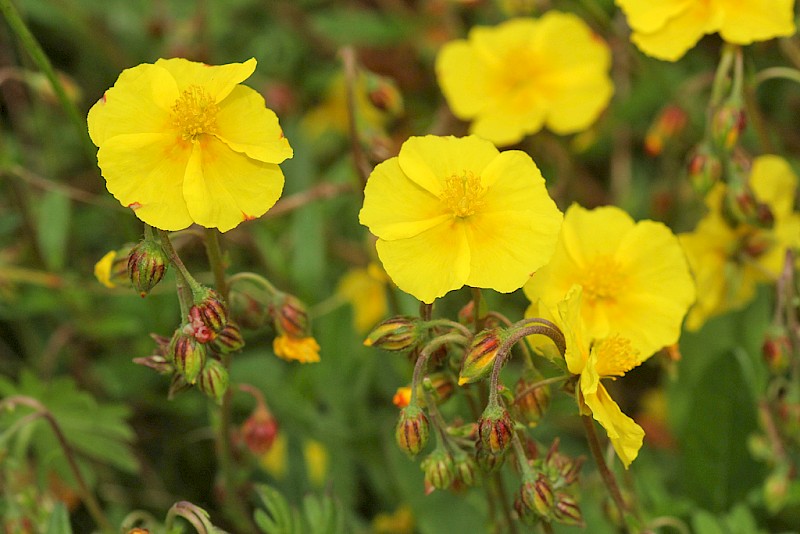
(396, 334)
(247, 309)
(213, 379)
(209, 311)
(704, 169)
(530, 403)
(566, 510)
(466, 468)
(727, 124)
(412, 430)
(229, 339)
(291, 317)
(537, 495)
(495, 429)
(260, 430)
(187, 354)
(439, 470)
(562, 469)
(777, 349)
(480, 355)
(147, 263)
(666, 127)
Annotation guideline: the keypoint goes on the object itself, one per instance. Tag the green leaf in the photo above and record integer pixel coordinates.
(59, 520)
(345, 25)
(704, 522)
(279, 517)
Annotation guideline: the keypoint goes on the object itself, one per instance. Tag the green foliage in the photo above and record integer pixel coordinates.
(318, 514)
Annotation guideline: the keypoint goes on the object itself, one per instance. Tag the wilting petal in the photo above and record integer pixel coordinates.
(222, 188)
(245, 124)
(145, 172)
(441, 261)
(623, 432)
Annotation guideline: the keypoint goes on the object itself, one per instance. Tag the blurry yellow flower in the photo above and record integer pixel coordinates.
(365, 290)
(102, 269)
(402, 397)
(728, 262)
(275, 461)
(316, 457)
(594, 359)
(303, 350)
(399, 522)
(182, 142)
(112, 269)
(634, 276)
(666, 29)
(512, 79)
(450, 212)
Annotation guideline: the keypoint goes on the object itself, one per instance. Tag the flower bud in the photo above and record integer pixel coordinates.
(138, 530)
(187, 354)
(147, 263)
(487, 460)
(383, 94)
(396, 334)
(777, 349)
(439, 470)
(259, 431)
(480, 355)
(561, 468)
(439, 385)
(704, 169)
(156, 362)
(537, 495)
(247, 310)
(412, 430)
(466, 469)
(495, 429)
(209, 311)
(530, 403)
(213, 379)
(566, 510)
(727, 124)
(666, 127)
(291, 317)
(229, 339)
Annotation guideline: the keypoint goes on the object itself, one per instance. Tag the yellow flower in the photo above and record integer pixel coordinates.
(594, 359)
(635, 277)
(512, 79)
(276, 460)
(316, 457)
(303, 350)
(112, 268)
(401, 521)
(102, 269)
(365, 289)
(450, 212)
(728, 262)
(666, 29)
(182, 142)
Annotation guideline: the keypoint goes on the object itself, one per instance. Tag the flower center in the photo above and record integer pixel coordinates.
(603, 280)
(462, 194)
(615, 356)
(195, 113)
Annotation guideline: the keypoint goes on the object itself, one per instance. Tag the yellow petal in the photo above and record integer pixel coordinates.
(458, 66)
(145, 172)
(396, 207)
(222, 188)
(774, 182)
(139, 102)
(246, 125)
(680, 33)
(102, 269)
(650, 15)
(571, 323)
(217, 80)
(625, 435)
(505, 122)
(428, 161)
(756, 20)
(441, 261)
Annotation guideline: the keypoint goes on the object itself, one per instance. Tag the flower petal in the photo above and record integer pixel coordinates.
(144, 172)
(217, 80)
(429, 160)
(139, 102)
(757, 20)
(246, 125)
(458, 66)
(774, 182)
(623, 432)
(441, 261)
(222, 188)
(651, 15)
(680, 33)
(396, 207)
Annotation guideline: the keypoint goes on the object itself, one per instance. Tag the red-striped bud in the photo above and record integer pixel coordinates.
(229, 339)
(530, 403)
(396, 334)
(213, 379)
(481, 354)
(439, 470)
(537, 495)
(495, 429)
(291, 317)
(412, 430)
(147, 264)
(187, 354)
(487, 460)
(208, 315)
(259, 431)
(566, 510)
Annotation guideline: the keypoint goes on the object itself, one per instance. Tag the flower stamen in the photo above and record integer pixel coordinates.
(462, 194)
(195, 113)
(615, 356)
(603, 280)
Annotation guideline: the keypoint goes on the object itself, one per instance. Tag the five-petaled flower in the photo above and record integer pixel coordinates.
(450, 212)
(729, 261)
(512, 79)
(666, 29)
(182, 142)
(635, 277)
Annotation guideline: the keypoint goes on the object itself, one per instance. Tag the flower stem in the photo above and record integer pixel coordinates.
(88, 498)
(450, 324)
(256, 279)
(424, 355)
(217, 262)
(608, 477)
(34, 49)
(348, 55)
(184, 280)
